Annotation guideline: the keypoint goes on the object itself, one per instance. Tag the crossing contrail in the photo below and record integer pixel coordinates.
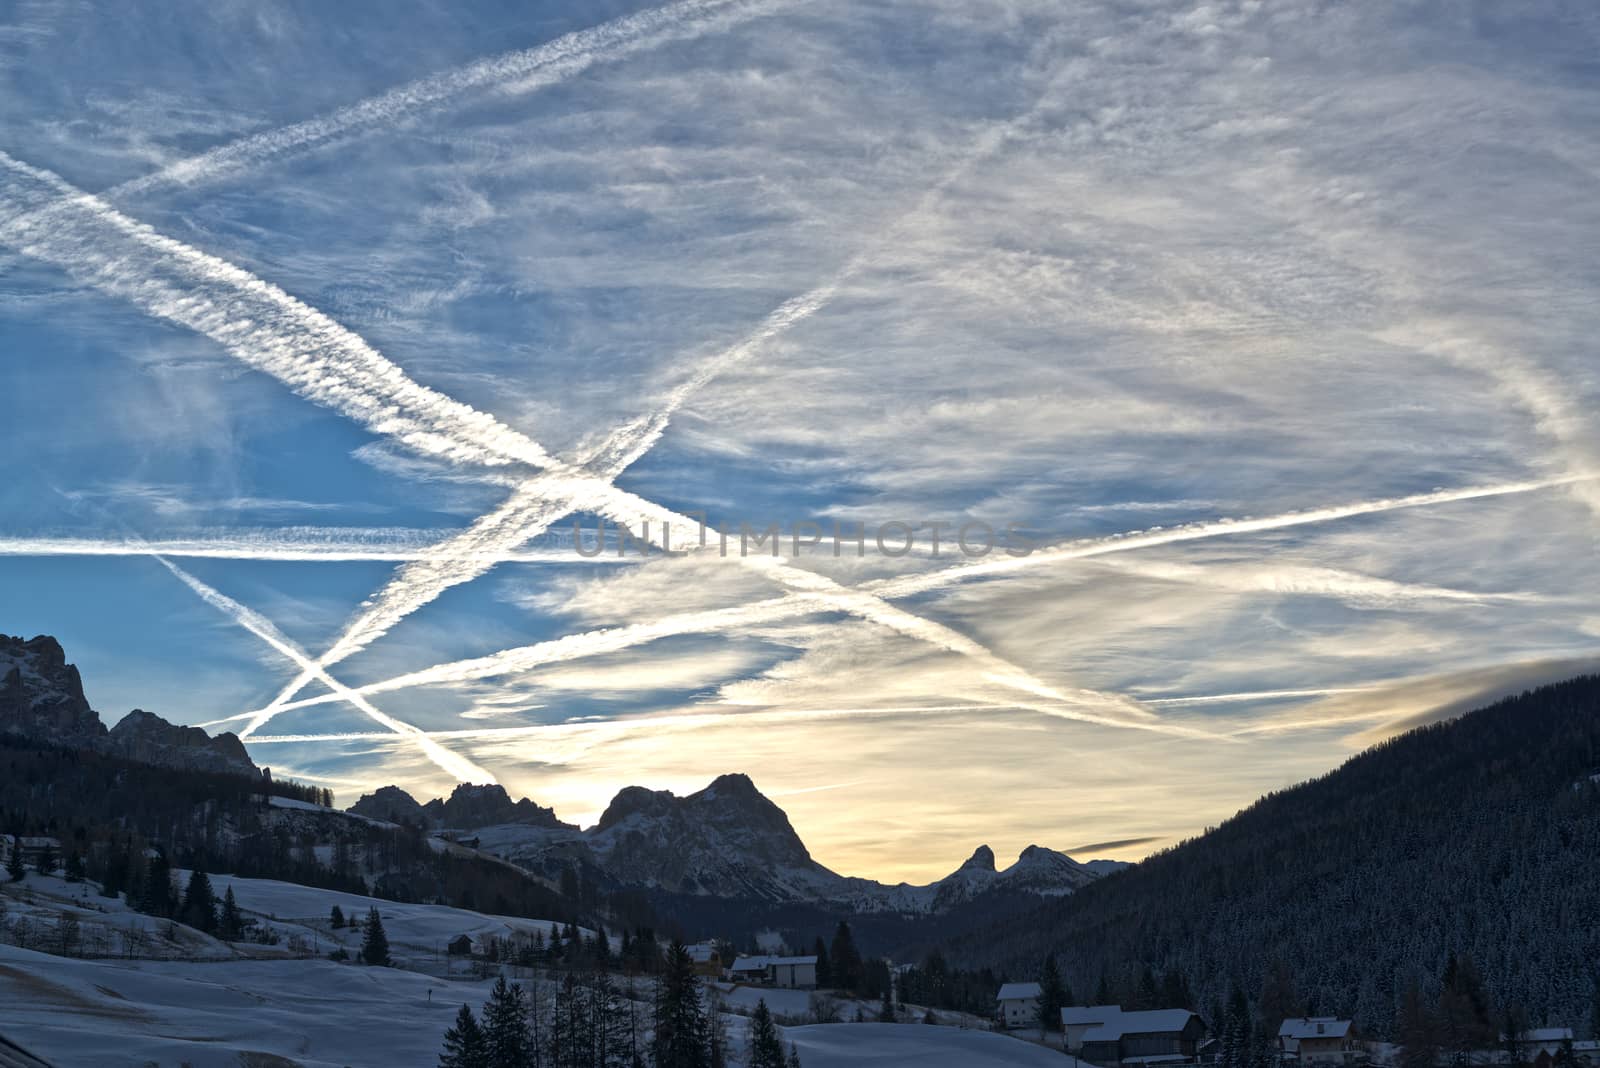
(301, 545)
(516, 72)
(778, 609)
(263, 628)
(256, 322)
(560, 491)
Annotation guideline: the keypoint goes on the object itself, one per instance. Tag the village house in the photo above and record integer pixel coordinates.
(1107, 1035)
(705, 959)
(1321, 1040)
(32, 849)
(1019, 1005)
(1076, 1019)
(794, 973)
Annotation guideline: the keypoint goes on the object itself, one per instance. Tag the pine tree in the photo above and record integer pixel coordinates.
(886, 1009)
(1417, 1030)
(200, 902)
(375, 944)
(794, 1056)
(680, 1024)
(1279, 1001)
(46, 862)
(845, 959)
(336, 918)
(14, 867)
(464, 1043)
(1052, 995)
(824, 971)
(230, 928)
(766, 1043)
(505, 1026)
(155, 897)
(74, 867)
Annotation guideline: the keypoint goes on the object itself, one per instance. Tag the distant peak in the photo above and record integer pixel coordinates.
(982, 859)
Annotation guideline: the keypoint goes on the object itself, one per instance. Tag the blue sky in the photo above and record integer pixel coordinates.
(294, 292)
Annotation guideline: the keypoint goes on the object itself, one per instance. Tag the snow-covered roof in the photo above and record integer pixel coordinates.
(1299, 1027)
(1077, 1015)
(791, 960)
(751, 964)
(1547, 1034)
(1018, 991)
(1148, 1022)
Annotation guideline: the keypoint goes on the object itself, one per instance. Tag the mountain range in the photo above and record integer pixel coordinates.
(1475, 838)
(726, 841)
(41, 697)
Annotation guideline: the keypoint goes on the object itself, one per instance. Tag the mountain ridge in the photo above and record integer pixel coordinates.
(726, 840)
(41, 697)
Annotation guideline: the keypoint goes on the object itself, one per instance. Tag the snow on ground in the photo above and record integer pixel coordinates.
(791, 1003)
(885, 1045)
(311, 1012)
(31, 912)
(418, 934)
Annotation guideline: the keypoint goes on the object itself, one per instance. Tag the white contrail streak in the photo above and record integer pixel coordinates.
(1253, 695)
(255, 321)
(1352, 588)
(300, 545)
(513, 73)
(908, 585)
(558, 492)
(263, 628)
(758, 613)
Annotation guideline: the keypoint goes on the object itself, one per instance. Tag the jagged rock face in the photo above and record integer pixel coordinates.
(149, 739)
(470, 807)
(726, 840)
(982, 859)
(391, 804)
(41, 695)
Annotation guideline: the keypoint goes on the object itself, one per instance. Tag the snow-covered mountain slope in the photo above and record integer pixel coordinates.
(41, 697)
(727, 840)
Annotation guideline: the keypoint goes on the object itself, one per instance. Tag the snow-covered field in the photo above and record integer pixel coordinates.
(228, 1006)
(307, 1012)
(885, 1045)
(417, 934)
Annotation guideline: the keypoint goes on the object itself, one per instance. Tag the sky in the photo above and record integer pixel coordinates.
(1260, 335)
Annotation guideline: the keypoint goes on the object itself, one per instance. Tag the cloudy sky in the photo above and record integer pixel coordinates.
(1270, 324)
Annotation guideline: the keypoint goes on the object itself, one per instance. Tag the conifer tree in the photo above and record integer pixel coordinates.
(74, 867)
(1052, 994)
(230, 927)
(14, 867)
(824, 970)
(680, 1039)
(794, 1056)
(46, 862)
(766, 1043)
(336, 919)
(886, 1010)
(375, 943)
(844, 959)
(464, 1043)
(200, 902)
(505, 1026)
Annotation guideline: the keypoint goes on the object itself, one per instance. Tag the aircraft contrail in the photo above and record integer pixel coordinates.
(256, 322)
(303, 545)
(512, 72)
(548, 498)
(777, 609)
(263, 628)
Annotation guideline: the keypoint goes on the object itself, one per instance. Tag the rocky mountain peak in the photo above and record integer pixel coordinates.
(149, 739)
(41, 695)
(982, 859)
(390, 804)
(474, 805)
(636, 800)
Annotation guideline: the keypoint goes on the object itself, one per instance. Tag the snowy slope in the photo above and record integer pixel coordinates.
(314, 1013)
(893, 1045)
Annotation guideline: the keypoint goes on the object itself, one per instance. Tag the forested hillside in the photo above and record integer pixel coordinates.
(1479, 837)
